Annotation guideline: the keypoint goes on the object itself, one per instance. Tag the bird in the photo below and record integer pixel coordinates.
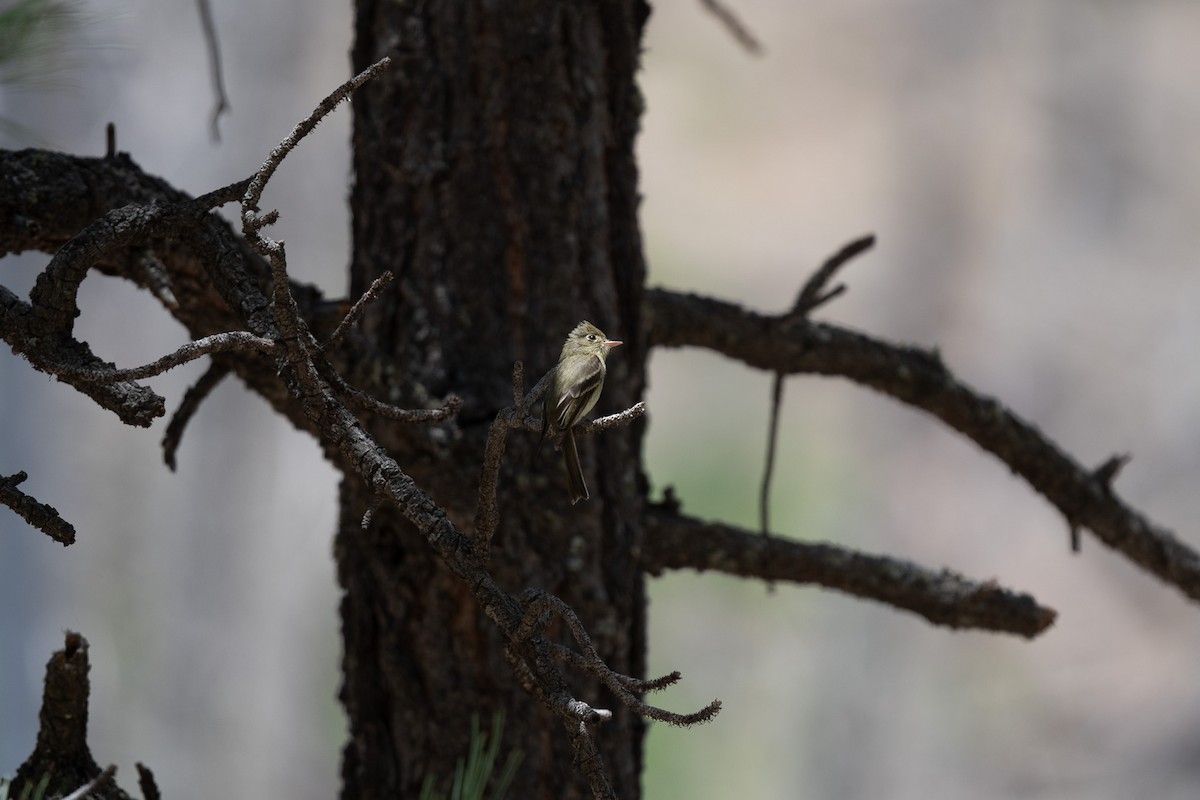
(574, 389)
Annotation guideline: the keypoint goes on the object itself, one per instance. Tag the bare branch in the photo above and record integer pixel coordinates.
(943, 598)
(613, 420)
(764, 497)
(414, 416)
(918, 377)
(357, 309)
(214, 67)
(813, 294)
(146, 783)
(192, 398)
(54, 297)
(588, 759)
(217, 343)
(226, 194)
(294, 334)
(735, 26)
(575, 715)
(41, 516)
(1106, 473)
(56, 354)
(259, 182)
(540, 604)
(157, 282)
(41, 330)
(487, 513)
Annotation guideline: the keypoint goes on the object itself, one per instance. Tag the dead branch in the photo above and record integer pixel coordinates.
(674, 541)
(147, 783)
(541, 605)
(217, 343)
(357, 309)
(192, 398)
(61, 761)
(737, 29)
(919, 378)
(812, 296)
(41, 516)
(215, 71)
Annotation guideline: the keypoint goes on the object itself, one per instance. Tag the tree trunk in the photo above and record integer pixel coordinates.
(495, 176)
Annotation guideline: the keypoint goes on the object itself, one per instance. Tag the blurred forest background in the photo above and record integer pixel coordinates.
(1032, 173)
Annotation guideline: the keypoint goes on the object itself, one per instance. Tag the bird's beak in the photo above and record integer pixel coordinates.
(611, 344)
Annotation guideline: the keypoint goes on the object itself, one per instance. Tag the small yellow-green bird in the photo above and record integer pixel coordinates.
(574, 390)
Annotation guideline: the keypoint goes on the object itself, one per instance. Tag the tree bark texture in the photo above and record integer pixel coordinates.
(494, 174)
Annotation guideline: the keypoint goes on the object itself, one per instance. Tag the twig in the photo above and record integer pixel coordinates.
(539, 389)
(294, 334)
(487, 513)
(217, 343)
(41, 516)
(540, 604)
(192, 398)
(226, 194)
(259, 182)
(157, 282)
(1104, 474)
(50, 350)
(764, 498)
(813, 294)
(613, 420)
(943, 598)
(734, 25)
(147, 783)
(357, 309)
(215, 69)
(451, 405)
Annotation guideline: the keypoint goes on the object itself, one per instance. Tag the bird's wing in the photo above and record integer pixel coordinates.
(573, 403)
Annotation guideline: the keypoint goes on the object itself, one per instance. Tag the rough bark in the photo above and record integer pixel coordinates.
(495, 176)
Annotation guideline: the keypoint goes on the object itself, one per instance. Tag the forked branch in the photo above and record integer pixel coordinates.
(918, 378)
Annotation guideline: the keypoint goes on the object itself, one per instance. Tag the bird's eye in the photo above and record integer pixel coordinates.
(592, 336)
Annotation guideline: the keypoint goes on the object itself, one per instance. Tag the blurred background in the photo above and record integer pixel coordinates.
(1031, 172)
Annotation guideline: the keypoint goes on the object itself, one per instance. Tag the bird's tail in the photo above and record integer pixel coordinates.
(575, 483)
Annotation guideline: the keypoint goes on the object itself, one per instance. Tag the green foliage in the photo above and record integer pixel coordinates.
(34, 36)
(471, 778)
(37, 50)
(30, 792)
